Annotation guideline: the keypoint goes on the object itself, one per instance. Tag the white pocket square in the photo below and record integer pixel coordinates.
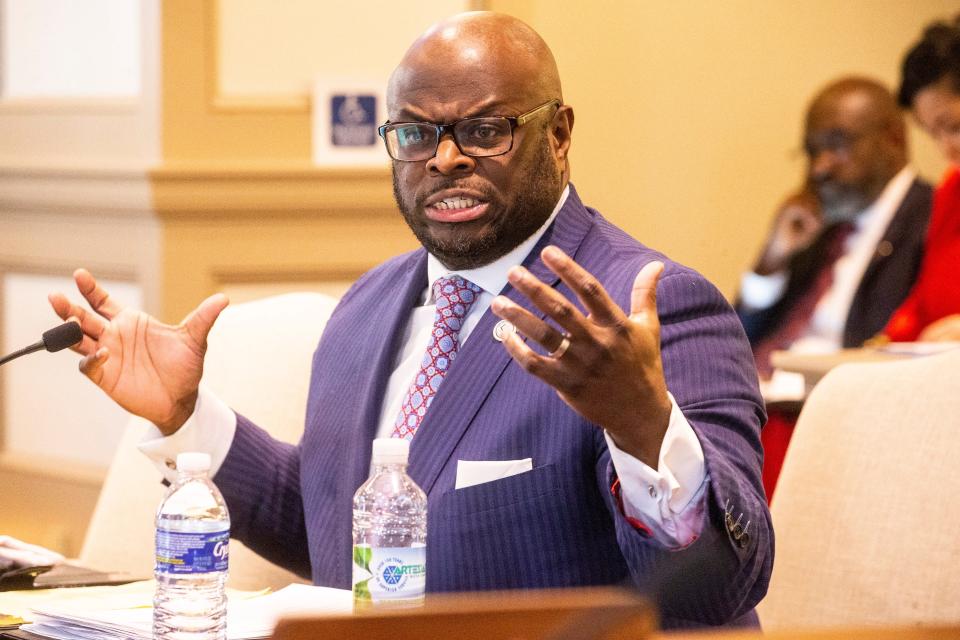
(472, 472)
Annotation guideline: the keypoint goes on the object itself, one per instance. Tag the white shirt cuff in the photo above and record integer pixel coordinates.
(762, 292)
(209, 429)
(668, 500)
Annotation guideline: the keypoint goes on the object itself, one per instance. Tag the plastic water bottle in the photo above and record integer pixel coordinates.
(389, 531)
(193, 537)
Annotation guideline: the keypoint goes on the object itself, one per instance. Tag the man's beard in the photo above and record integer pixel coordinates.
(464, 251)
(840, 203)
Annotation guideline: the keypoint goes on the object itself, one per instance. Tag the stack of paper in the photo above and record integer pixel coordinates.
(127, 613)
(919, 348)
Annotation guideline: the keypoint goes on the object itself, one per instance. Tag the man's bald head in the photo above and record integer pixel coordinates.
(856, 143)
(482, 71)
(481, 47)
(863, 98)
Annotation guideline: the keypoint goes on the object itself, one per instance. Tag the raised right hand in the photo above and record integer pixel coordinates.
(796, 225)
(149, 368)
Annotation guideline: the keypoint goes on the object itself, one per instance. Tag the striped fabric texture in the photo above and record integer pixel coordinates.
(556, 525)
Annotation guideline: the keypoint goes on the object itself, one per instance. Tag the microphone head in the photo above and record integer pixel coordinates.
(62, 337)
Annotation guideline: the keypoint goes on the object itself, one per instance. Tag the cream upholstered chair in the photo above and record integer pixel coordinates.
(258, 362)
(867, 509)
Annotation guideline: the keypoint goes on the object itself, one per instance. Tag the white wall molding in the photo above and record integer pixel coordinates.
(270, 190)
(100, 190)
(70, 106)
(194, 189)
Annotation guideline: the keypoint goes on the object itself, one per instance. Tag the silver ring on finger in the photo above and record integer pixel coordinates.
(562, 349)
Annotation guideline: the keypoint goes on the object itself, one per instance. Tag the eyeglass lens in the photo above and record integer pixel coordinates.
(474, 136)
(835, 141)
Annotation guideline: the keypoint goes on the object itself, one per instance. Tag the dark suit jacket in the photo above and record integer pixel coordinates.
(557, 525)
(885, 284)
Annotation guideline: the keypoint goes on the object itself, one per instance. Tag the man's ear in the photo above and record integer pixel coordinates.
(897, 134)
(561, 129)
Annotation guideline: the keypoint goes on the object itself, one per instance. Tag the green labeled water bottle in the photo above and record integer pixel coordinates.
(389, 531)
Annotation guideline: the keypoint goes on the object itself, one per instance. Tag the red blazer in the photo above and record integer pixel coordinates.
(936, 293)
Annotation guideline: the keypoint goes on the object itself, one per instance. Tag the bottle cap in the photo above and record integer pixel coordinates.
(193, 462)
(390, 450)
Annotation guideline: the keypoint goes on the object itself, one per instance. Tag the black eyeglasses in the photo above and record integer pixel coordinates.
(478, 137)
(839, 141)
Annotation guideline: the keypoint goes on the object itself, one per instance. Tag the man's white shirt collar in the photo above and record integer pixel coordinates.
(879, 213)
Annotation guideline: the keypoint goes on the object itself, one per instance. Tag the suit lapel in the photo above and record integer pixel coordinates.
(901, 226)
(482, 359)
(400, 293)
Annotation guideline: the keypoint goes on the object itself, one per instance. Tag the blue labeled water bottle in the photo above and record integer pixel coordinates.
(193, 547)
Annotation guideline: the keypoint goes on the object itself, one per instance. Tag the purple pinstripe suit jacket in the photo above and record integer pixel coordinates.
(556, 525)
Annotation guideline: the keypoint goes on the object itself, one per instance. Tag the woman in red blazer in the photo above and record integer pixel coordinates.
(930, 87)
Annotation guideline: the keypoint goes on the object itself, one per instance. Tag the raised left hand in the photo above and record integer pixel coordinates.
(605, 365)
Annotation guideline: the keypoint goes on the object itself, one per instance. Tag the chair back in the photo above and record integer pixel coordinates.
(258, 361)
(867, 509)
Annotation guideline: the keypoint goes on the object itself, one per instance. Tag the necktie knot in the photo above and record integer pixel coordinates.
(836, 238)
(454, 296)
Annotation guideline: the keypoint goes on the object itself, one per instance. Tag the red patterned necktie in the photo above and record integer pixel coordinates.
(454, 296)
(795, 321)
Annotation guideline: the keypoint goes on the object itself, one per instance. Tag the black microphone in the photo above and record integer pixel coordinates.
(56, 339)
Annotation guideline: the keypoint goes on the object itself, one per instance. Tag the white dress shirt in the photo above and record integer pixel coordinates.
(668, 500)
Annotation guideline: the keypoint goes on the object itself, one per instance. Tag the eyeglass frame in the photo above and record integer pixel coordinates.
(836, 140)
(443, 129)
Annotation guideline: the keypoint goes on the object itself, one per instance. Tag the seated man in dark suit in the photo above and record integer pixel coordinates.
(624, 417)
(842, 253)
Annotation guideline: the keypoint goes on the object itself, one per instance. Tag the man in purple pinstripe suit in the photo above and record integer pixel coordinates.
(613, 437)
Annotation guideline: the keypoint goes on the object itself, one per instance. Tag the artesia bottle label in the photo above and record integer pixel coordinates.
(385, 574)
(179, 552)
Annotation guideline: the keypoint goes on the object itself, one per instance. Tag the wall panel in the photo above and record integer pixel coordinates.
(689, 114)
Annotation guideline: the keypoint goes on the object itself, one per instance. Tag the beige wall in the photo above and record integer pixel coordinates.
(687, 134)
(689, 113)
(287, 72)
(73, 192)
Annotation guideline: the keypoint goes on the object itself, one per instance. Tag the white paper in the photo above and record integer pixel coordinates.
(473, 472)
(117, 612)
(783, 386)
(918, 348)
